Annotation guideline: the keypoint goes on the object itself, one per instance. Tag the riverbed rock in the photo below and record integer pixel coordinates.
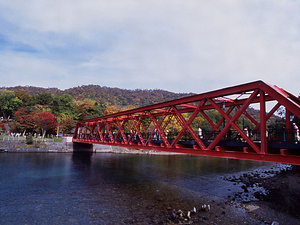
(275, 223)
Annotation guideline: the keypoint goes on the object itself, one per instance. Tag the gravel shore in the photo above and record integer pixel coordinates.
(267, 197)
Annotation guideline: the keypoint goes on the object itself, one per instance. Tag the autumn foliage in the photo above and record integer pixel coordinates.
(26, 120)
(36, 121)
(46, 121)
(67, 125)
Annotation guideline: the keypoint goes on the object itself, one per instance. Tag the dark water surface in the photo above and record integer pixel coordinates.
(105, 188)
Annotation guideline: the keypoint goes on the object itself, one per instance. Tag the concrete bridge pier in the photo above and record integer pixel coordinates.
(82, 148)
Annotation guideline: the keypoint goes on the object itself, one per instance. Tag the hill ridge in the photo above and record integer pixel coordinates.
(104, 94)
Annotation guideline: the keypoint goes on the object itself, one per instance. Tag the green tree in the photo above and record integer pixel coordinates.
(99, 109)
(43, 99)
(9, 103)
(60, 118)
(26, 99)
(63, 104)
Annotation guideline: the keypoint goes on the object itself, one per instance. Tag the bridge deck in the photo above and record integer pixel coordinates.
(277, 152)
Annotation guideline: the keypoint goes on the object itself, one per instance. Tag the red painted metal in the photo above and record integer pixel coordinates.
(147, 127)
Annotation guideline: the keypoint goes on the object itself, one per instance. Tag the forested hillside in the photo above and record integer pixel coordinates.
(106, 95)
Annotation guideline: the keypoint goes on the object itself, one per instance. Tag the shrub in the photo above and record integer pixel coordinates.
(29, 140)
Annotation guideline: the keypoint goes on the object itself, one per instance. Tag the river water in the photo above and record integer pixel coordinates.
(107, 188)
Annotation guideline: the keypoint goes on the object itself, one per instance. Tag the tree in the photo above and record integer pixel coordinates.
(99, 110)
(26, 99)
(198, 122)
(2, 127)
(43, 99)
(88, 109)
(173, 125)
(63, 104)
(46, 121)
(14, 127)
(83, 110)
(61, 117)
(26, 118)
(9, 103)
(127, 107)
(67, 125)
(111, 109)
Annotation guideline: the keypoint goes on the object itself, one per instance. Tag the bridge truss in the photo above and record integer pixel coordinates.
(150, 127)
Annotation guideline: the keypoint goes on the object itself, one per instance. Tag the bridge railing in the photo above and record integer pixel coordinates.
(273, 136)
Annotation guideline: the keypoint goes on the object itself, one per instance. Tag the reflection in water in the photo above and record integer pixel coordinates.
(105, 188)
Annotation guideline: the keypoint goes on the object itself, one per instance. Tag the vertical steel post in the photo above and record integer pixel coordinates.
(263, 123)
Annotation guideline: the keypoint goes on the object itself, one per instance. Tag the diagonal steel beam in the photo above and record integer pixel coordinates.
(231, 122)
(186, 126)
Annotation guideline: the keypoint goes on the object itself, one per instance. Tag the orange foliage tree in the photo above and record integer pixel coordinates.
(26, 119)
(111, 109)
(46, 121)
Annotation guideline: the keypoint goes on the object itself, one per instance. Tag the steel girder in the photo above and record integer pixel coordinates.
(147, 127)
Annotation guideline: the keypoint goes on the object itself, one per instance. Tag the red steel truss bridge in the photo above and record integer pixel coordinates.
(152, 127)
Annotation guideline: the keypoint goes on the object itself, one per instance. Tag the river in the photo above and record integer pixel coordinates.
(55, 188)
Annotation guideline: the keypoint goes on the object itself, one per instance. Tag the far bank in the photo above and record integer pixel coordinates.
(67, 146)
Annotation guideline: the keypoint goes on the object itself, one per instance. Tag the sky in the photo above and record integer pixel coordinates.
(181, 46)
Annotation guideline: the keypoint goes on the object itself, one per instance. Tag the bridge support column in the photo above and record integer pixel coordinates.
(82, 148)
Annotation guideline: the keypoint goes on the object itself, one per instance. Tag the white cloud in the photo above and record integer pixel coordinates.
(183, 46)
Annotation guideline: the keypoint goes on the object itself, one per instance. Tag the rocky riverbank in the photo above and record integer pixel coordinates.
(175, 205)
(277, 189)
(267, 197)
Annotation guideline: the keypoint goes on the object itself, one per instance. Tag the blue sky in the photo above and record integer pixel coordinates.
(180, 46)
